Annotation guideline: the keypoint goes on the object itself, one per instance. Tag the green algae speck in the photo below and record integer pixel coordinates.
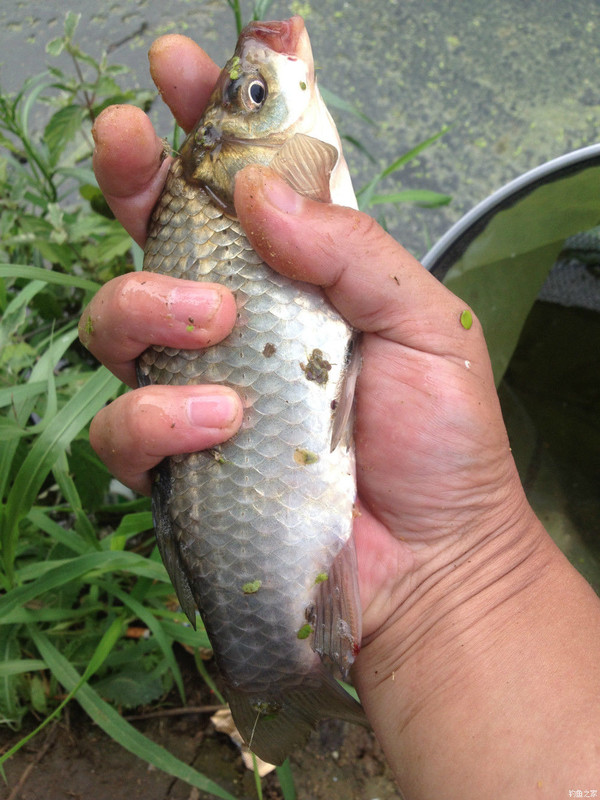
(251, 587)
(305, 631)
(305, 457)
(466, 319)
(234, 69)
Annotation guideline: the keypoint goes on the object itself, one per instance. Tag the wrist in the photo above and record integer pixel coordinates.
(468, 683)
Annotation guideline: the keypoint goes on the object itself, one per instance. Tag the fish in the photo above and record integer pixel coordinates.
(257, 533)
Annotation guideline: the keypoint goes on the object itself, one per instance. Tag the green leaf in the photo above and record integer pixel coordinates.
(71, 23)
(90, 476)
(17, 666)
(359, 146)
(104, 647)
(108, 248)
(116, 727)
(83, 526)
(158, 631)
(62, 128)
(183, 632)
(130, 525)
(37, 695)
(413, 152)
(55, 46)
(261, 8)
(130, 688)
(69, 538)
(286, 780)
(366, 193)
(31, 92)
(26, 402)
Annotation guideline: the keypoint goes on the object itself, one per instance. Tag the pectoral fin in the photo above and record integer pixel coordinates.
(306, 164)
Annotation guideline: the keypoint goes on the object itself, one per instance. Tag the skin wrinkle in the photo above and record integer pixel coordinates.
(488, 640)
(473, 608)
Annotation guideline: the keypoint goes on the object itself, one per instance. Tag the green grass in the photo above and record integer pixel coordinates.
(78, 559)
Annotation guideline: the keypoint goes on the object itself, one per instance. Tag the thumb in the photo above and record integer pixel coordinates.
(372, 281)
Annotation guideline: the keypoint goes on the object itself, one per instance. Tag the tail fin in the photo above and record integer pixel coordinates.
(273, 729)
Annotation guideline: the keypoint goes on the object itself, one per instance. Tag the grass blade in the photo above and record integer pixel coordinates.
(410, 154)
(286, 780)
(333, 100)
(56, 437)
(47, 275)
(17, 666)
(66, 571)
(68, 538)
(417, 197)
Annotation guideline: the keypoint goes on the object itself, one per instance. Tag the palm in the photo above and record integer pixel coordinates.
(418, 422)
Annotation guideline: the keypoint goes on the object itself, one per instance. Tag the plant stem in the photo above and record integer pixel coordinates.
(234, 5)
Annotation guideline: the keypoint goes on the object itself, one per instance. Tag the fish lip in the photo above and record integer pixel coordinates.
(283, 36)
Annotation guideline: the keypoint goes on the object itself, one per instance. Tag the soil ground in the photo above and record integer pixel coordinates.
(75, 760)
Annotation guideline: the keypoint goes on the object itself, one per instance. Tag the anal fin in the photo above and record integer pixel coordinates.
(274, 727)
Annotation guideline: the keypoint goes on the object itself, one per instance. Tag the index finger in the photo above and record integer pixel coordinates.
(129, 157)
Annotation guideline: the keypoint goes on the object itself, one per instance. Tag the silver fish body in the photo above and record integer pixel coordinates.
(257, 533)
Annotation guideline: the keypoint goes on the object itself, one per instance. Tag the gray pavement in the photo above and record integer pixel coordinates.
(518, 80)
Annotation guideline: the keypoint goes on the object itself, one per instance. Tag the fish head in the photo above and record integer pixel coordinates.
(265, 94)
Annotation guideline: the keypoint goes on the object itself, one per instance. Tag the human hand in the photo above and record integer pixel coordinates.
(448, 547)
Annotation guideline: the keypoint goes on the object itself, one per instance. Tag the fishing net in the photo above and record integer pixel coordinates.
(575, 277)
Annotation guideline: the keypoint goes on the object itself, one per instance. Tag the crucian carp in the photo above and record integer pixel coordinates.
(259, 539)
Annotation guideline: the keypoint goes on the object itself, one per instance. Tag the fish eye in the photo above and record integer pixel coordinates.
(257, 92)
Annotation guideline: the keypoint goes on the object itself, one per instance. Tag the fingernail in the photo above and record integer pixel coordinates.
(212, 411)
(274, 190)
(282, 196)
(196, 305)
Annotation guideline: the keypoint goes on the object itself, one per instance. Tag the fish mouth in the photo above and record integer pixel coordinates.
(287, 36)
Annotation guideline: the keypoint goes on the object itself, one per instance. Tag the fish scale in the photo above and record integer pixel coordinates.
(256, 532)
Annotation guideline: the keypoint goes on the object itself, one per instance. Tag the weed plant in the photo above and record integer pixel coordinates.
(79, 570)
